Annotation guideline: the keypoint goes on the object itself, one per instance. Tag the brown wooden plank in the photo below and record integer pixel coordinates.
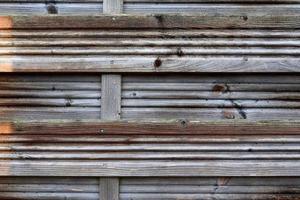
(151, 21)
(152, 127)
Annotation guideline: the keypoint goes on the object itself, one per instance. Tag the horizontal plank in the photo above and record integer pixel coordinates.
(67, 94)
(147, 196)
(148, 64)
(193, 103)
(211, 113)
(49, 195)
(58, 102)
(258, 79)
(179, 85)
(215, 8)
(208, 189)
(160, 51)
(148, 33)
(154, 138)
(213, 181)
(49, 85)
(43, 8)
(194, 1)
(49, 113)
(175, 156)
(152, 127)
(214, 147)
(150, 168)
(152, 21)
(55, 188)
(209, 95)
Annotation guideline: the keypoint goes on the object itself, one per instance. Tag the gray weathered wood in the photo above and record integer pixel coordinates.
(111, 97)
(112, 6)
(109, 189)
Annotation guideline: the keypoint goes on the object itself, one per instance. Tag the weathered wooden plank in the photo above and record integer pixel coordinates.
(216, 8)
(140, 94)
(150, 168)
(163, 155)
(151, 21)
(147, 196)
(160, 51)
(188, 103)
(120, 64)
(48, 195)
(49, 113)
(209, 78)
(149, 33)
(111, 97)
(109, 188)
(111, 106)
(179, 85)
(251, 114)
(153, 138)
(112, 6)
(58, 102)
(213, 181)
(152, 127)
(158, 147)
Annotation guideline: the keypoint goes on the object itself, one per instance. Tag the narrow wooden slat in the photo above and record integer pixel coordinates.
(111, 106)
(112, 6)
(161, 127)
(111, 97)
(151, 21)
(109, 188)
(118, 64)
(266, 168)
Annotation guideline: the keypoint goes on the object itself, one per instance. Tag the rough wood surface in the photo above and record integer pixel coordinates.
(152, 127)
(109, 189)
(112, 6)
(111, 97)
(152, 21)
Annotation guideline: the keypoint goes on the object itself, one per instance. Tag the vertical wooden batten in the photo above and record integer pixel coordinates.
(111, 99)
(111, 106)
(109, 189)
(112, 6)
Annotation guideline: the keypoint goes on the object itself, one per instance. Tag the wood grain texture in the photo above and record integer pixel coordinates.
(49, 96)
(112, 6)
(48, 188)
(153, 127)
(151, 21)
(109, 189)
(111, 97)
(237, 188)
(119, 64)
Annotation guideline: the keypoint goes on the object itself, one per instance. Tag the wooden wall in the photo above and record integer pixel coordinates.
(93, 7)
(152, 188)
(200, 100)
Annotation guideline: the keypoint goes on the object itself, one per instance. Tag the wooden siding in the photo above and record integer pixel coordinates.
(219, 188)
(150, 148)
(82, 44)
(217, 96)
(187, 98)
(260, 188)
(45, 188)
(215, 7)
(50, 7)
(49, 96)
